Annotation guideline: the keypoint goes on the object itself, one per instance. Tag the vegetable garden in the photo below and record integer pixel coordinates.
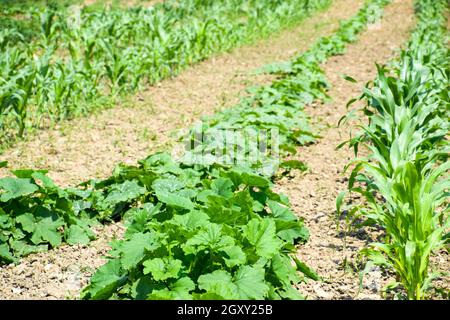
(210, 222)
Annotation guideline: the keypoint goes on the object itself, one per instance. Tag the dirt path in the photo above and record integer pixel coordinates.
(90, 147)
(313, 194)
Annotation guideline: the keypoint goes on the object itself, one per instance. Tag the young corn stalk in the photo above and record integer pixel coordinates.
(88, 58)
(405, 180)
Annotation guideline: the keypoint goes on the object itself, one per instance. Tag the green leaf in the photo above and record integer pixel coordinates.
(143, 286)
(294, 164)
(348, 78)
(218, 282)
(223, 187)
(104, 281)
(255, 180)
(308, 271)
(27, 221)
(292, 231)
(162, 269)
(174, 200)
(5, 254)
(262, 234)
(75, 234)
(209, 237)
(203, 195)
(44, 228)
(127, 191)
(285, 272)
(191, 220)
(133, 250)
(281, 212)
(15, 188)
(3, 164)
(339, 201)
(27, 173)
(22, 248)
(288, 292)
(136, 219)
(234, 256)
(410, 250)
(47, 183)
(169, 185)
(207, 296)
(180, 290)
(250, 283)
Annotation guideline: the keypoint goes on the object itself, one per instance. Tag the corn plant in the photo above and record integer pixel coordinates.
(16, 96)
(116, 51)
(405, 181)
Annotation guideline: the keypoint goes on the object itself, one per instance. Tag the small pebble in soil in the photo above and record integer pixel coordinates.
(16, 290)
(321, 293)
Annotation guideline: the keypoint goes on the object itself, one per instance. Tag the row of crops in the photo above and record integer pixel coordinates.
(404, 181)
(84, 60)
(194, 231)
(12, 11)
(221, 232)
(208, 224)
